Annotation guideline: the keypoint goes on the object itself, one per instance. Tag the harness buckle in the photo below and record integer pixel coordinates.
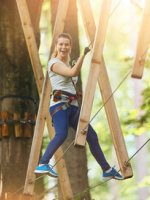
(65, 106)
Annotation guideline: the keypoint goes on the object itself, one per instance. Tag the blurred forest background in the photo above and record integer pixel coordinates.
(132, 99)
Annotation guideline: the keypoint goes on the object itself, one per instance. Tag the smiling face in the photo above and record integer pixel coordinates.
(63, 48)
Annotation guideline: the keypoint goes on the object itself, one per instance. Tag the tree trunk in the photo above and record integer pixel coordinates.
(75, 158)
(18, 94)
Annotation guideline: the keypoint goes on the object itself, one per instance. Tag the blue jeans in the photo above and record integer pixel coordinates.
(61, 121)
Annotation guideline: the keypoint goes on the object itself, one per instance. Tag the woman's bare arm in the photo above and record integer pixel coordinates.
(63, 70)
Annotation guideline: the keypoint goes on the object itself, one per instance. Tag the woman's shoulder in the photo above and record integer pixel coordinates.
(53, 61)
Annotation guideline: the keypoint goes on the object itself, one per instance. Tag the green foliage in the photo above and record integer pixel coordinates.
(146, 105)
(145, 182)
(138, 119)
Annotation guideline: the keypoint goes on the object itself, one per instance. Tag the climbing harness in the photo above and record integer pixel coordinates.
(59, 95)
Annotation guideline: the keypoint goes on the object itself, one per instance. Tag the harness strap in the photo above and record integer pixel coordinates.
(61, 107)
(59, 95)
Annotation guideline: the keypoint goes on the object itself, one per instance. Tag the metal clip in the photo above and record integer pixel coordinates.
(65, 106)
(83, 131)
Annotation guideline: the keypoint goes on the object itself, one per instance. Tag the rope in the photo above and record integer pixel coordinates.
(83, 129)
(102, 183)
(126, 76)
(138, 150)
(90, 120)
(13, 121)
(115, 7)
(64, 153)
(134, 3)
(90, 188)
(22, 187)
(47, 191)
(78, 195)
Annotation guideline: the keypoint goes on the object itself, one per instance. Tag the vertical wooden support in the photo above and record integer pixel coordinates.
(110, 107)
(17, 126)
(43, 114)
(143, 43)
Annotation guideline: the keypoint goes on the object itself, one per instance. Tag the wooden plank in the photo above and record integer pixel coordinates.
(5, 127)
(17, 126)
(88, 20)
(143, 43)
(114, 124)
(93, 73)
(31, 42)
(105, 88)
(42, 114)
(36, 144)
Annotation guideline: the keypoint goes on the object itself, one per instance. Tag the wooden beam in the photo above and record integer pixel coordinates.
(114, 124)
(31, 43)
(43, 107)
(93, 73)
(143, 43)
(88, 19)
(106, 92)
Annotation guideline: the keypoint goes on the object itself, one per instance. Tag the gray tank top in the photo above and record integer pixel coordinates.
(59, 82)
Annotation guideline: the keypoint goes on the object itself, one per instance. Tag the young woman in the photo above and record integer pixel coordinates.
(64, 108)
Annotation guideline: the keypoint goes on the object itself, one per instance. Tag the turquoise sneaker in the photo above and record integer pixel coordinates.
(46, 169)
(112, 174)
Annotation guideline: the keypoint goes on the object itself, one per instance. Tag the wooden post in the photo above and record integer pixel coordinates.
(105, 88)
(43, 114)
(143, 43)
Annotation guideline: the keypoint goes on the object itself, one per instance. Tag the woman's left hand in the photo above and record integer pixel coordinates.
(86, 50)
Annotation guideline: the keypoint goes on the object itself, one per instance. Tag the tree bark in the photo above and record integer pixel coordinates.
(16, 79)
(75, 158)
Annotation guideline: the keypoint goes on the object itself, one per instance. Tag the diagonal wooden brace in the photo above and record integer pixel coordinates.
(110, 107)
(44, 102)
(94, 71)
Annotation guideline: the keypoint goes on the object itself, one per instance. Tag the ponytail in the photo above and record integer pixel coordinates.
(62, 35)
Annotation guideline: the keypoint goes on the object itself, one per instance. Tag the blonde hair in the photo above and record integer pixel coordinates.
(62, 35)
